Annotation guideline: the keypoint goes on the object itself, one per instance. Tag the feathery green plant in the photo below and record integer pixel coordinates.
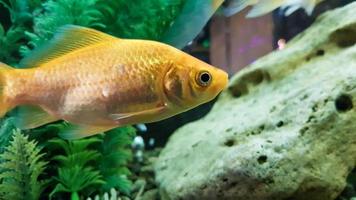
(116, 152)
(75, 173)
(21, 16)
(100, 160)
(58, 13)
(147, 19)
(20, 168)
(121, 18)
(6, 129)
(10, 42)
(20, 11)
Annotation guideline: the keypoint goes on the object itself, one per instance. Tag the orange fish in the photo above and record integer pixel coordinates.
(97, 82)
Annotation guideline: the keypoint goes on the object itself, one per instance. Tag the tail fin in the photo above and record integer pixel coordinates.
(4, 104)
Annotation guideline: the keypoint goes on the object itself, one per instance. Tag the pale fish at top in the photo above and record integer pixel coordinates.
(97, 82)
(196, 13)
(262, 7)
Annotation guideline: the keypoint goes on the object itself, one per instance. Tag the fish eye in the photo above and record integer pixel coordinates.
(204, 78)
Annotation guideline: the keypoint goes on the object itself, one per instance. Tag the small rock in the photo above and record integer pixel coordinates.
(138, 184)
(147, 169)
(151, 160)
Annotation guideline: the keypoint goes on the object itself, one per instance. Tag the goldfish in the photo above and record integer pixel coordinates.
(97, 82)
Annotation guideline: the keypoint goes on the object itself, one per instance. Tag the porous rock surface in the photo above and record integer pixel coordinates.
(284, 129)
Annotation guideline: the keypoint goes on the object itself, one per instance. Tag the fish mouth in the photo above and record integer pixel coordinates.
(221, 81)
(225, 81)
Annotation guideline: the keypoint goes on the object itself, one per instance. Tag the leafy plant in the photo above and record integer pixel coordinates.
(21, 165)
(6, 129)
(95, 161)
(74, 172)
(58, 13)
(10, 42)
(21, 16)
(20, 11)
(145, 19)
(121, 18)
(116, 153)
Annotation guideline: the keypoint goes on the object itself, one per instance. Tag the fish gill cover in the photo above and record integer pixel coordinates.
(81, 168)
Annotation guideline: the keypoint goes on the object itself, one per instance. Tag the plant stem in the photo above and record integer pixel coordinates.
(74, 196)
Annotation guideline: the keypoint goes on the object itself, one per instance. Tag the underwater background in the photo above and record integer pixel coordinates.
(37, 164)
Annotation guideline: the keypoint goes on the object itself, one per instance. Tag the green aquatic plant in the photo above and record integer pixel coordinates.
(12, 38)
(6, 129)
(120, 18)
(10, 42)
(116, 153)
(145, 19)
(75, 173)
(58, 13)
(94, 162)
(20, 168)
(21, 11)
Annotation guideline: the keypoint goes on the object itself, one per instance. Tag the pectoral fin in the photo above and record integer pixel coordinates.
(127, 116)
(74, 131)
(27, 117)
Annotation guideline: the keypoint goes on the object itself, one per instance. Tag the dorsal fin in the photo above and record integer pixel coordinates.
(67, 39)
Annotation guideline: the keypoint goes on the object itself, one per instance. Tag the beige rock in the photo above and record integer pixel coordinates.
(285, 128)
(150, 195)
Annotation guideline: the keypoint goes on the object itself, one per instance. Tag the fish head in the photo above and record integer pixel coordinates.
(190, 82)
